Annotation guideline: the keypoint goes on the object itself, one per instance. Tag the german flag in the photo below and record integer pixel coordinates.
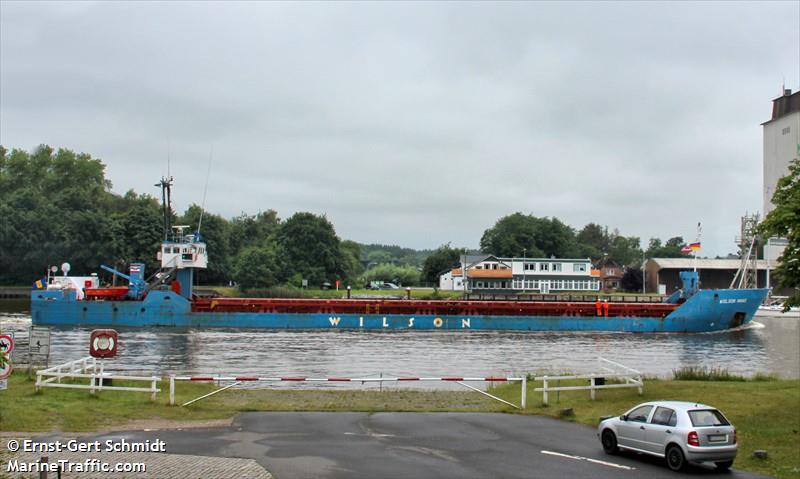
(691, 247)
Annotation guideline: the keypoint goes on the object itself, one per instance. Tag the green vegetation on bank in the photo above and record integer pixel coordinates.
(57, 205)
(765, 412)
(784, 221)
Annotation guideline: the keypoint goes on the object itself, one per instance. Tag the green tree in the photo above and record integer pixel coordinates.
(593, 241)
(784, 221)
(259, 267)
(672, 248)
(351, 251)
(631, 280)
(625, 250)
(518, 234)
(246, 230)
(443, 258)
(311, 248)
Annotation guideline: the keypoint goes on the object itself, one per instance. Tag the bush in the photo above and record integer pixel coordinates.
(697, 373)
(389, 273)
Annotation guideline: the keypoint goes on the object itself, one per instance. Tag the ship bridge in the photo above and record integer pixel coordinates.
(182, 251)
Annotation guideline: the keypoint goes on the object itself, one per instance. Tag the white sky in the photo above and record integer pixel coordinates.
(414, 123)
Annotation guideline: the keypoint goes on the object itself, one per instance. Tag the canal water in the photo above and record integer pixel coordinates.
(770, 345)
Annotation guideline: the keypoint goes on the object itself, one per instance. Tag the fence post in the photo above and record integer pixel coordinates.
(172, 390)
(38, 381)
(544, 390)
(153, 389)
(100, 379)
(523, 397)
(592, 393)
(641, 384)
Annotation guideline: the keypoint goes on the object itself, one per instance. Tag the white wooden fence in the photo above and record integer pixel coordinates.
(606, 369)
(92, 369)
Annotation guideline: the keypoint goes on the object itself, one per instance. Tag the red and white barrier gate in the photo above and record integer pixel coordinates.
(240, 379)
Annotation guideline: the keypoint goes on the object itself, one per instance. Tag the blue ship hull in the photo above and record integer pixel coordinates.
(707, 310)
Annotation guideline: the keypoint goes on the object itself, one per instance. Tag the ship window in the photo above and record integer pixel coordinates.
(556, 266)
(579, 268)
(544, 267)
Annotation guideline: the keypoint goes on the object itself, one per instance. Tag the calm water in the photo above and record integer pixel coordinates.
(770, 345)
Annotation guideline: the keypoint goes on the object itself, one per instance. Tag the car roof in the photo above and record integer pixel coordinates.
(682, 405)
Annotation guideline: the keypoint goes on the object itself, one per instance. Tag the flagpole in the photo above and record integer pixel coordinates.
(694, 252)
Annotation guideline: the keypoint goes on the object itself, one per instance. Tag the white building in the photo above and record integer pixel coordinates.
(491, 274)
(781, 142)
(452, 280)
(781, 145)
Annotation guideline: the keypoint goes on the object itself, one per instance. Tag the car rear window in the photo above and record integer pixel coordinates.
(707, 417)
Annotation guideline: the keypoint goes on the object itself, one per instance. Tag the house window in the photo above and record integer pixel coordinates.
(579, 268)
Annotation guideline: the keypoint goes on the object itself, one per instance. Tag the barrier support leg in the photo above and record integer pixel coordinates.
(524, 393)
(544, 390)
(592, 393)
(172, 390)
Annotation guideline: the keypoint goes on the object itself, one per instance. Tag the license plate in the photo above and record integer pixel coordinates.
(717, 438)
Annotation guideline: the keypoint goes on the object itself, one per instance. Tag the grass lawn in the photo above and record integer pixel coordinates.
(766, 413)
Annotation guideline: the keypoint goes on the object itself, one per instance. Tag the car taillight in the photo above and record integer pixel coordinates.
(692, 439)
(734, 436)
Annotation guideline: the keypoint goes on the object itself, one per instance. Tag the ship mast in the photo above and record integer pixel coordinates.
(166, 202)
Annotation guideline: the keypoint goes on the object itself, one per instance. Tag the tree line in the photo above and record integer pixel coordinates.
(57, 205)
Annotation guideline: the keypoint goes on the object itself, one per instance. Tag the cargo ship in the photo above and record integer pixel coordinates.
(166, 299)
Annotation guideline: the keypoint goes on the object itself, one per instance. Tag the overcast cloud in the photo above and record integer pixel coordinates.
(414, 123)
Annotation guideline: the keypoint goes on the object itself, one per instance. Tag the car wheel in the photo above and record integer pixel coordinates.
(724, 465)
(609, 440)
(675, 458)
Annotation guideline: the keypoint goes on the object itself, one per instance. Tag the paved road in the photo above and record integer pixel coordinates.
(400, 445)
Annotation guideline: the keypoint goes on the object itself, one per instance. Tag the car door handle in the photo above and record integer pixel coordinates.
(641, 427)
(668, 431)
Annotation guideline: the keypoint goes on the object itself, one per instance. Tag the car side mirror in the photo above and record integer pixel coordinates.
(624, 417)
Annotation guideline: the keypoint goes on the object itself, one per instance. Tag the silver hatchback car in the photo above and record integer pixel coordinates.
(678, 431)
